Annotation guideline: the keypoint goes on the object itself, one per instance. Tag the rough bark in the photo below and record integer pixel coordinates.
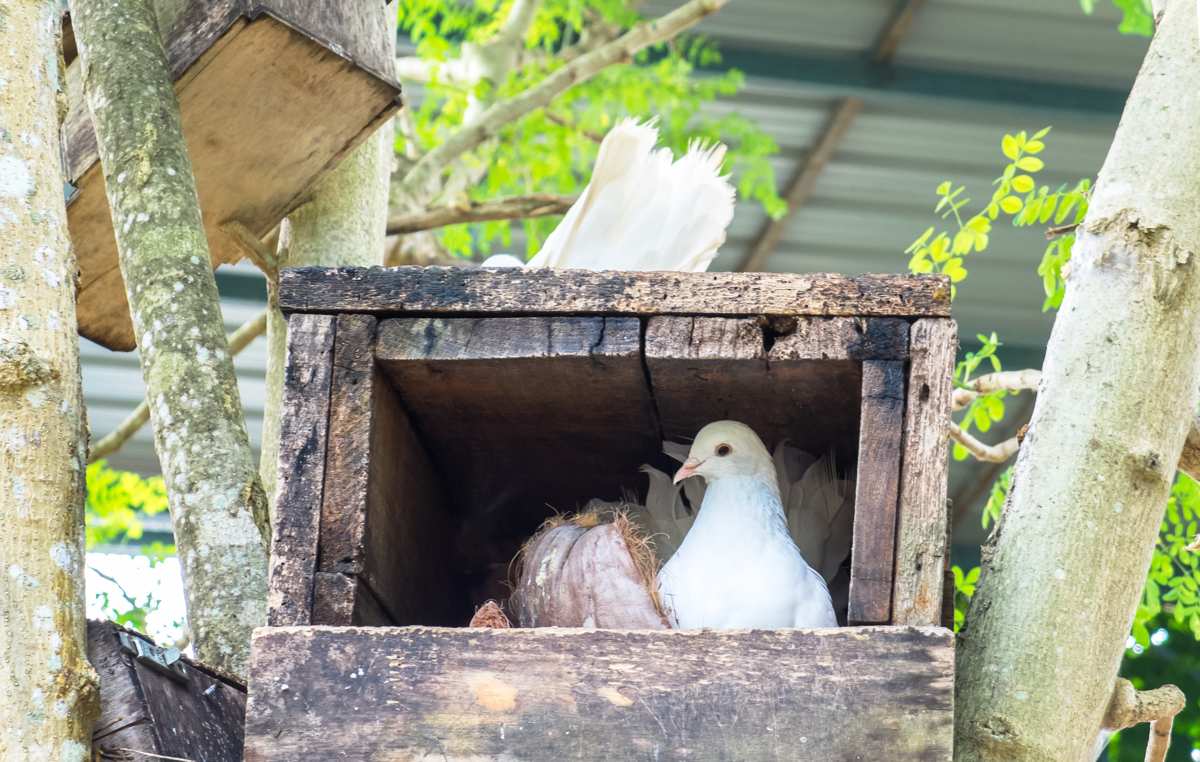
(50, 694)
(217, 504)
(1064, 569)
(342, 224)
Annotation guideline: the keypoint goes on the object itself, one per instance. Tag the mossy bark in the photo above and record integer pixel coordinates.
(217, 502)
(343, 223)
(1065, 567)
(49, 693)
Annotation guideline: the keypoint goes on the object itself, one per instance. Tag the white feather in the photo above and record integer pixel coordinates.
(641, 211)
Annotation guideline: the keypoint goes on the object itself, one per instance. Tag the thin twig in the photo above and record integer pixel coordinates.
(595, 137)
(1055, 232)
(621, 50)
(252, 247)
(1160, 739)
(120, 587)
(991, 453)
(148, 754)
(115, 439)
(511, 208)
(1009, 380)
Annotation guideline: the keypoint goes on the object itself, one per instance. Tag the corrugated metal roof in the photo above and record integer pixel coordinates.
(922, 124)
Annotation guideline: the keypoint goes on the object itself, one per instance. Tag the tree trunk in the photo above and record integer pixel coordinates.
(217, 503)
(50, 693)
(343, 223)
(1065, 567)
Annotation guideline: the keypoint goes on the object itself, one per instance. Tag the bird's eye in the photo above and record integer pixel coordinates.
(723, 450)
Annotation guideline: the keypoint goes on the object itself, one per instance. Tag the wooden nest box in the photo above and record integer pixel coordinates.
(273, 95)
(434, 417)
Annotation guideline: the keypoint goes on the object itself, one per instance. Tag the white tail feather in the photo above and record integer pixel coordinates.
(643, 212)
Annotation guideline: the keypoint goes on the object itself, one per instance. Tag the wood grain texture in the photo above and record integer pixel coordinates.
(921, 543)
(547, 291)
(341, 599)
(348, 458)
(839, 338)
(267, 111)
(148, 712)
(421, 693)
(873, 550)
(706, 369)
(524, 416)
(384, 516)
(301, 481)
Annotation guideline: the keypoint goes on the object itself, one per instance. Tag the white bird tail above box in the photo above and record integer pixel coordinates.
(642, 210)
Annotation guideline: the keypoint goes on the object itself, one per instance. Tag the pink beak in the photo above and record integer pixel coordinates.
(689, 469)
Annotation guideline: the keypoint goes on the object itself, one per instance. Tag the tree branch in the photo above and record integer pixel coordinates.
(991, 453)
(1055, 232)
(581, 69)
(1009, 380)
(251, 247)
(595, 137)
(113, 441)
(1158, 707)
(511, 208)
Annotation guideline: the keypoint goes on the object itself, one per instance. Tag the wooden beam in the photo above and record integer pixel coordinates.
(826, 695)
(802, 184)
(895, 29)
(840, 119)
(546, 291)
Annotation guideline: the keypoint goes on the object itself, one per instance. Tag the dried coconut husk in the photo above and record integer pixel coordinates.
(594, 569)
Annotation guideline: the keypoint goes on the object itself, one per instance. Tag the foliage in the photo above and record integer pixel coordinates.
(1171, 587)
(945, 254)
(964, 588)
(552, 150)
(1172, 655)
(114, 499)
(1137, 18)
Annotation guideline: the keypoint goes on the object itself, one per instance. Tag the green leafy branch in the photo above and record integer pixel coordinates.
(944, 253)
(984, 409)
(1040, 209)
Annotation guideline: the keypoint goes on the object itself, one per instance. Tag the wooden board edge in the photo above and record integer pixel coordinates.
(451, 290)
(877, 492)
(922, 542)
(301, 476)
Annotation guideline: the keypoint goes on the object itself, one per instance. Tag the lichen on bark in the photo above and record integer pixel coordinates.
(217, 504)
(49, 694)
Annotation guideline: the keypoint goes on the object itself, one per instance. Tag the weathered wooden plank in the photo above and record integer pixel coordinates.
(272, 98)
(839, 338)
(922, 544)
(347, 461)
(341, 599)
(547, 291)
(525, 416)
(301, 475)
(705, 369)
(872, 693)
(871, 566)
(143, 710)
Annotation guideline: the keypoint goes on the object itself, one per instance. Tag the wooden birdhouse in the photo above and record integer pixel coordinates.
(434, 417)
(273, 95)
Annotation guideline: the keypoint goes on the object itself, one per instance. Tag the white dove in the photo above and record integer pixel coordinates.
(641, 211)
(738, 567)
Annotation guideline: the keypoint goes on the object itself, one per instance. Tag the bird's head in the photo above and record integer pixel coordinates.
(726, 448)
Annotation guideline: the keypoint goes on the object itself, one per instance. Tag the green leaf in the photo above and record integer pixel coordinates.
(1041, 133)
(1022, 183)
(920, 241)
(1009, 147)
(944, 188)
(955, 270)
(1030, 164)
(1011, 204)
(960, 452)
(1034, 146)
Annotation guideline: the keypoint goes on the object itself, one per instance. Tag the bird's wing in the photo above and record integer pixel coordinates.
(641, 211)
(820, 516)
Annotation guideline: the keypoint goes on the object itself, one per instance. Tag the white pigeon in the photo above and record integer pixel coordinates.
(641, 211)
(737, 567)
